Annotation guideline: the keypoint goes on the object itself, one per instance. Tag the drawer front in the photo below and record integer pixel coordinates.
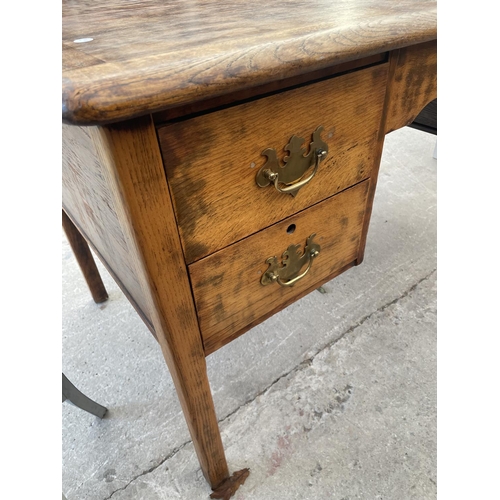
(227, 285)
(211, 161)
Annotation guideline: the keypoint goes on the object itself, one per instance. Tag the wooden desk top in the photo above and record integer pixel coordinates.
(151, 55)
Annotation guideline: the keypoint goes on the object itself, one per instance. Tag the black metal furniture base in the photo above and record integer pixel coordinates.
(74, 396)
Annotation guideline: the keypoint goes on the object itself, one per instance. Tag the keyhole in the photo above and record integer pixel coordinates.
(290, 229)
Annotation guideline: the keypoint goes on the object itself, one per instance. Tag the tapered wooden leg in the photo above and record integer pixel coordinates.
(193, 389)
(133, 171)
(85, 260)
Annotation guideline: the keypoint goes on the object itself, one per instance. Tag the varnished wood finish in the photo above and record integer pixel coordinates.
(86, 198)
(85, 260)
(273, 87)
(378, 157)
(218, 341)
(186, 51)
(227, 287)
(413, 85)
(211, 160)
(133, 171)
(213, 84)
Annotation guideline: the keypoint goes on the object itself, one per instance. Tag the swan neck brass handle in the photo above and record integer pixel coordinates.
(294, 280)
(293, 188)
(287, 272)
(289, 175)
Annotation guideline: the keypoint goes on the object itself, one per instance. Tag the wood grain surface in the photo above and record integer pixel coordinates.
(283, 84)
(150, 55)
(189, 253)
(211, 161)
(413, 85)
(85, 260)
(86, 198)
(133, 171)
(227, 287)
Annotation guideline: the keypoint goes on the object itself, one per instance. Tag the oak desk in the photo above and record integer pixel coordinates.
(221, 158)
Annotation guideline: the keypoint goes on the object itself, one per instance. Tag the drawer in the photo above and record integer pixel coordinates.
(211, 160)
(229, 295)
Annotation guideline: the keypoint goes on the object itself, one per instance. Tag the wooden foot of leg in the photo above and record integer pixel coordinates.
(228, 487)
(85, 260)
(133, 170)
(193, 389)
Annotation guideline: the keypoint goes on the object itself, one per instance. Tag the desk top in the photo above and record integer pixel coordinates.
(150, 55)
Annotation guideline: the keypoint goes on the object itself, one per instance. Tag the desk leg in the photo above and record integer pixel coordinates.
(85, 260)
(133, 170)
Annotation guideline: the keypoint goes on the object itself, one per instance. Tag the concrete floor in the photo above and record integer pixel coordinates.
(333, 398)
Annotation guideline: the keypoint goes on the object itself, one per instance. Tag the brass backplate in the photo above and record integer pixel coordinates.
(295, 165)
(286, 272)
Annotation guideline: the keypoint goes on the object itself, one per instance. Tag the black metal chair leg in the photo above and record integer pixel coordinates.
(77, 398)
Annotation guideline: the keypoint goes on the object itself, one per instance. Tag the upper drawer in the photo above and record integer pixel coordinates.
(211, 160)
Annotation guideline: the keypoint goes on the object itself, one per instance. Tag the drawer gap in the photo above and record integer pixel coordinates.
(201, 108)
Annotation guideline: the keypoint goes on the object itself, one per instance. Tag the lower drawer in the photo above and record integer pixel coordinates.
(227, 286)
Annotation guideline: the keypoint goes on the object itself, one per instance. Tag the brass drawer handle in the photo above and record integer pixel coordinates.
(295, 164)
(286, 274)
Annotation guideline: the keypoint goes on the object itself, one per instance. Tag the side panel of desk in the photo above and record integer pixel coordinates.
(117, 178)
(413, 84)
(87, 201)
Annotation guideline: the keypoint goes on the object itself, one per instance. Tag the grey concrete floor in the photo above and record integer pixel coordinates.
(333, 398)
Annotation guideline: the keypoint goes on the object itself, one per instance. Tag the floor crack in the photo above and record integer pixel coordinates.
(308, 361)
(297, 368)
(151, 469)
